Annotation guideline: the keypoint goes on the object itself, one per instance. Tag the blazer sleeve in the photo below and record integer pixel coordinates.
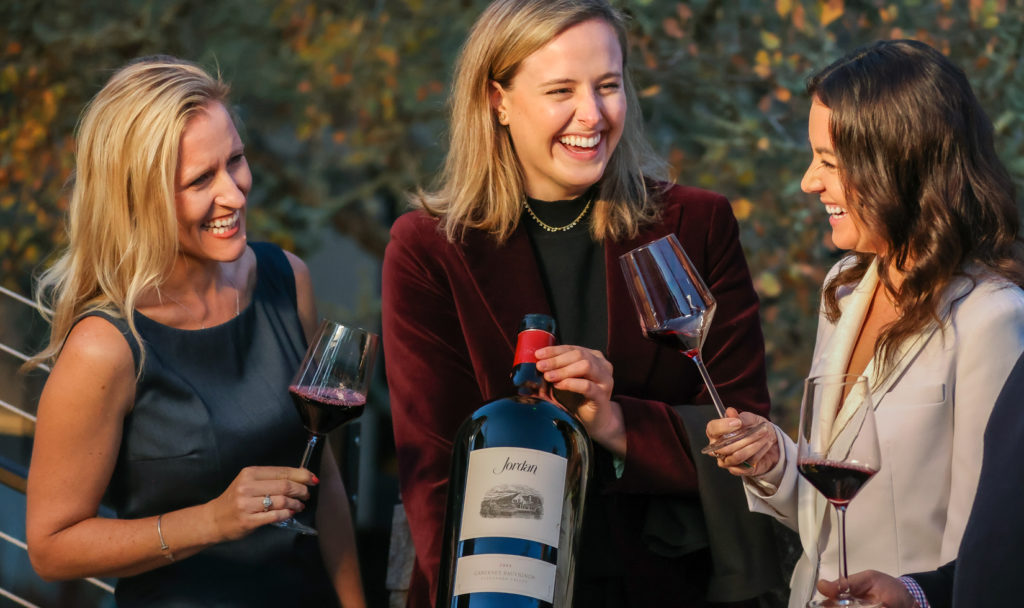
(427, 366)
(658, 458)
(778, 498)
(937, 585)
(989, 557)
(989, 327)
(734, 349)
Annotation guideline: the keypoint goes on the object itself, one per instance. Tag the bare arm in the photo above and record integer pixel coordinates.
(337, 535)
(78, 435)
(334, 519)
(305, 300)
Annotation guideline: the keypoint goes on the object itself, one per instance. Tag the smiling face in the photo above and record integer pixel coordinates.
(211, 186)
(822, 178)
(564, 109)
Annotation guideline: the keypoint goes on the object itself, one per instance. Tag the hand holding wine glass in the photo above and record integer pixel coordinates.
(675, 309)
(838, 453)
(329, 389)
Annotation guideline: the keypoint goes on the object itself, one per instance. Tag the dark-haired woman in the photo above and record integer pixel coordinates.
(927, 306)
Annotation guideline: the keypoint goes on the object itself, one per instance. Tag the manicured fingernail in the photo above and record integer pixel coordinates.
(734, 423)
(316, 480)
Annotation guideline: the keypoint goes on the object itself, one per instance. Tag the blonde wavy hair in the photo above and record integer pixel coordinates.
(481, 185)
(122, 226)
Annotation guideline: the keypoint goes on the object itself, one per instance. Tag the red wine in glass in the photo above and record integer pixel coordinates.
(839, 482)
(325, 409)
(329, 388)
(683, 334)
(838, 452)
(675, 308)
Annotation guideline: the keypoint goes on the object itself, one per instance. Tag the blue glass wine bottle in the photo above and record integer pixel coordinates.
(519, 475)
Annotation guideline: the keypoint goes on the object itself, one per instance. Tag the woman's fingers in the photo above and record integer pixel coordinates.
(752, 455)
(261, 495)
(579, 370)
(720, 427)
(744, 450)
(268, 503)
(302, 476)
(564, 361)
(273, 482)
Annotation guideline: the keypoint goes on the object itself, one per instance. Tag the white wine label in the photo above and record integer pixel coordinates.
(505, 574)
(514, 493)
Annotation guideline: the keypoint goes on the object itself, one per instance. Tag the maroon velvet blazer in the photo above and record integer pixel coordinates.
(450, 317)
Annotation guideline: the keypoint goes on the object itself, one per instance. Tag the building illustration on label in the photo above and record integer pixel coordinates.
(511, 500)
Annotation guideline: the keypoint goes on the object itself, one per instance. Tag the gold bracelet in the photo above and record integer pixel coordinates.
(166, 550)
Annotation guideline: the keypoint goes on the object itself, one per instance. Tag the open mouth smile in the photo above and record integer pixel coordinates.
(223, 225)
(835, 211)
(577, 142)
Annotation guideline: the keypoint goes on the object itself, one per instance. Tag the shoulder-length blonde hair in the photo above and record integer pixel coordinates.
(481, 185)
(919, 167)
(122, 227)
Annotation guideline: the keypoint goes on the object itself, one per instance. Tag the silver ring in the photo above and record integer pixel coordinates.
(266, 503)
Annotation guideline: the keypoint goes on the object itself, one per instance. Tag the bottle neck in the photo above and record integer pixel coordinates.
(525, 376)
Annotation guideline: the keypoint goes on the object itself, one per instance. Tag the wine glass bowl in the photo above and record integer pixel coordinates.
(838, 452)
(675, 308)
(329, 389)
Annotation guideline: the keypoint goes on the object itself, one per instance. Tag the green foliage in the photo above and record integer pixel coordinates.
(344, 109)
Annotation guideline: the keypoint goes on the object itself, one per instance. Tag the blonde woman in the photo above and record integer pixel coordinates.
(174, 340)
(547, 181)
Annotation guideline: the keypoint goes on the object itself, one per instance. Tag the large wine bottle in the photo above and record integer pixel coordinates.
(515, 501)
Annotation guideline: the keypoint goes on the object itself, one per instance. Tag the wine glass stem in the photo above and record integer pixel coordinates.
(310, 446)
(719, 406)
(844, 583)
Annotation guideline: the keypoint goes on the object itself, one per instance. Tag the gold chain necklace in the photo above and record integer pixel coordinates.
(568, 226)
(188, 310)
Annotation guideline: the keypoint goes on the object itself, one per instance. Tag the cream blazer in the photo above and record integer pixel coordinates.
(931, 408)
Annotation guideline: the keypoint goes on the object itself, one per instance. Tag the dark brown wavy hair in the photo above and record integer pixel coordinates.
(918, 166)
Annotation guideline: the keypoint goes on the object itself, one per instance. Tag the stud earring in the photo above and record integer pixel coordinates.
(502, 117)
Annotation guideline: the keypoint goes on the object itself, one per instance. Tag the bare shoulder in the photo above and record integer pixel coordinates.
(305, 298)
(96, 365)
(303, 280)
(99, 342)
(298, 266)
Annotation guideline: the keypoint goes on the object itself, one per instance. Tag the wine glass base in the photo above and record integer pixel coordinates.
(731, 438)
(848, 602)
(295, 525)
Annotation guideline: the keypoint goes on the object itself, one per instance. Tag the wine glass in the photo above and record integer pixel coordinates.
(675, 309)
(838, 453)
(329, 389)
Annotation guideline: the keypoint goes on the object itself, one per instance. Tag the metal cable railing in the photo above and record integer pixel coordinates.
(13, 474)
(24, 547)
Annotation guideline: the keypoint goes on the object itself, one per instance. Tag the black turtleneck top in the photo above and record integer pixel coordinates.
(572, 269)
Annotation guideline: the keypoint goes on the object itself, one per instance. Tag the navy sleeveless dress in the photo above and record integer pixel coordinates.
(209, 403)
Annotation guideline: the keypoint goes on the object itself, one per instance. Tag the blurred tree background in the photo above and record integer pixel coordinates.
(343, 105)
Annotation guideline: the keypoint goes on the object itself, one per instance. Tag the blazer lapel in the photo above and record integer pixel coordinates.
(627, 346)
(835, 354)
(507, 278)
(833, 357)
(883, 380)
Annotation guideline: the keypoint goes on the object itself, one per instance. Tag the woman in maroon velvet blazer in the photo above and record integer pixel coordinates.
(544, 187)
